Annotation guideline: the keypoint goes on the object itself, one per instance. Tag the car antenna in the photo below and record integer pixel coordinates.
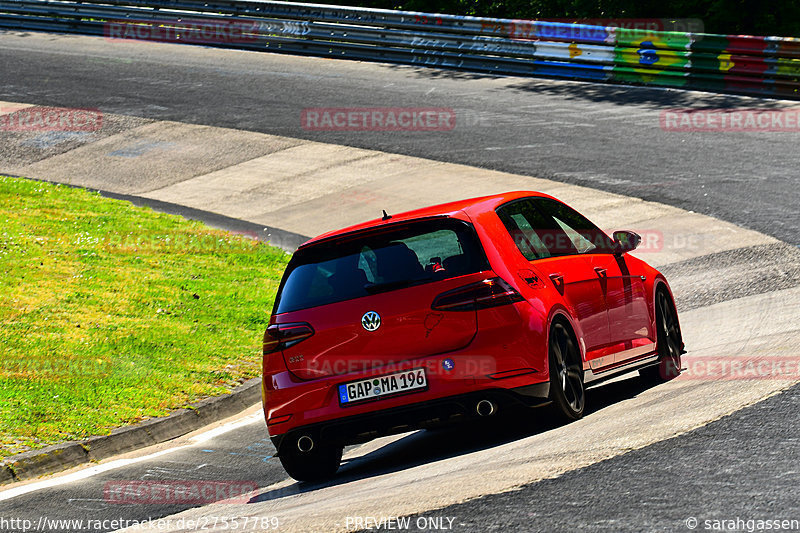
(385, 215)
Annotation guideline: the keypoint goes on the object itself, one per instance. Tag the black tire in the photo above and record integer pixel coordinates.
(319, 464)
(567, 391)
(668, 342)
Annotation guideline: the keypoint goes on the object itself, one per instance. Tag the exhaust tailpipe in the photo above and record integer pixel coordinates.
(486, 408)
(305, 444)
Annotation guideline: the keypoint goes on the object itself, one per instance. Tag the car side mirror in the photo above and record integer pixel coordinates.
(625, 241)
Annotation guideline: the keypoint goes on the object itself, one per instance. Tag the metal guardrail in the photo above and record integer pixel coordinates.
(768, 66)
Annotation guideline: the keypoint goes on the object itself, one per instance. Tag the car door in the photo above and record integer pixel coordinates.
(630, 334)
(630, 328)
(550, 250)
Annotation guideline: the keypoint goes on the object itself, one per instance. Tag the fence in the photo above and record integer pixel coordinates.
(766, 66)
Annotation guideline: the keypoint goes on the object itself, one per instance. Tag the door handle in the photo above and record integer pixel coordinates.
(558, 281)
(600, 271)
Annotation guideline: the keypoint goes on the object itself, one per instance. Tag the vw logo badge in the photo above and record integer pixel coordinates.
(371, 321)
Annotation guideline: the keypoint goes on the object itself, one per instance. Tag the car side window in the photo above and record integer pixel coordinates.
(528, 239)
(584, 236)
(536, 235)
(581, 243)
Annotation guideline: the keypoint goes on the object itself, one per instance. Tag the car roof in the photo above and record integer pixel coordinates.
(450, 209)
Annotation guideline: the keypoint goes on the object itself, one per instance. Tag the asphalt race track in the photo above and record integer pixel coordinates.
(622, 468)
(600, 136)
(743, 466)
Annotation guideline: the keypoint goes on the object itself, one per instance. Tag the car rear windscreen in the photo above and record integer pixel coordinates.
(393, 257)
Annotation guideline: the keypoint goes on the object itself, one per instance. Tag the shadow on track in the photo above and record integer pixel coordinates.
(586, 91)
(422, 447)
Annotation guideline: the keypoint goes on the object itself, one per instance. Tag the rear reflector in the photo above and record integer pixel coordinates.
(481, 295)
(278, 420)
(281, 336)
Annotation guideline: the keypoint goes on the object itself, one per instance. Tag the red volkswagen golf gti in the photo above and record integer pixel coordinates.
(452, 312)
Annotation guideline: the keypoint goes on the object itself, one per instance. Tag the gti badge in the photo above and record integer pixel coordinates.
(371, 321)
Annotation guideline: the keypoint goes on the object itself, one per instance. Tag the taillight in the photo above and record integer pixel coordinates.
(282, 336)
(487, 293)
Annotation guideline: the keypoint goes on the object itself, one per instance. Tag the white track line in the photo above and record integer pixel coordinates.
(119, 463)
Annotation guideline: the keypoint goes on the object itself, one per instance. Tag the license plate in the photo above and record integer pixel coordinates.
(382, 386)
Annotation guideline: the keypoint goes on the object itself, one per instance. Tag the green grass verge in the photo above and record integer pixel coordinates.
(110, 313)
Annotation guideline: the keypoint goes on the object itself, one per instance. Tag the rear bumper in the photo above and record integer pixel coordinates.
(291, 403)
(364, 427)
(508, 353)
